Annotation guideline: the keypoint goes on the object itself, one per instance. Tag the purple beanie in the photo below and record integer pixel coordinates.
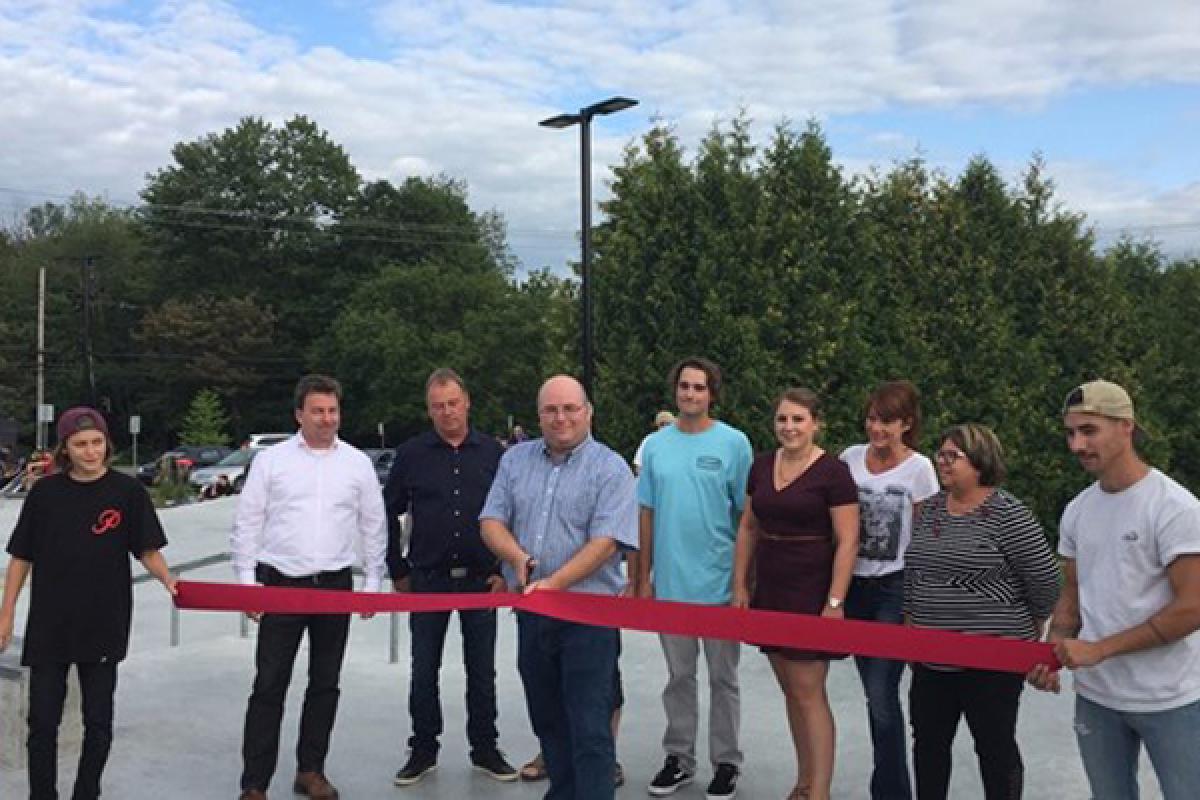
(80, 418)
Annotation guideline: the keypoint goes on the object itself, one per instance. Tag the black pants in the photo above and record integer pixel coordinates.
(428, 636)
(937, 699)
(47, 692)
(278, 641)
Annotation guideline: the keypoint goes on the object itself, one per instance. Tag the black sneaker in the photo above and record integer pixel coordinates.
(724, 783)
(669, 778)
(419, 765)
(492, 762)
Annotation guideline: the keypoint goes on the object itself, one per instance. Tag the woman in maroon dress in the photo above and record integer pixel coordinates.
(799, 536)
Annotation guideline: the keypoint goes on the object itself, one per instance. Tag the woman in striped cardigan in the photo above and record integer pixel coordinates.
(979, 563)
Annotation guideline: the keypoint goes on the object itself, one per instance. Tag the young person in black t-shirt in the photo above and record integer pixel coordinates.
(76, 532)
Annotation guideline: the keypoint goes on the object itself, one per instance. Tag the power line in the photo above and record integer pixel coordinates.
(308, 219)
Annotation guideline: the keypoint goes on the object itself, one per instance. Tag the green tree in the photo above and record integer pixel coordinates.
(205, 421)
(642, 284)
(442, 296)
(247, 213)
(59, 239)
(227, 344)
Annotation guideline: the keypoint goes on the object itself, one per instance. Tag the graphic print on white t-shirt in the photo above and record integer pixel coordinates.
(882, 521)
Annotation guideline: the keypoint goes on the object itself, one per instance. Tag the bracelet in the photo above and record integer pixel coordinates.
(1157, 633)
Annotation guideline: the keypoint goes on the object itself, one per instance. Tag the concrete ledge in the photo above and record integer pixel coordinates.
(14, 712)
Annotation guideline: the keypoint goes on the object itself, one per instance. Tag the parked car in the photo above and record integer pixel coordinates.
(266, 439)
(234, 467)
(382, 459)
(189, 457)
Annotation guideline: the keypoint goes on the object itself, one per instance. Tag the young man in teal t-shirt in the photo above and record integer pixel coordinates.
(691, 490)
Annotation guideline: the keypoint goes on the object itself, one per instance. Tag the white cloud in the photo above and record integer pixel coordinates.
(93, 100)
(1119, 205)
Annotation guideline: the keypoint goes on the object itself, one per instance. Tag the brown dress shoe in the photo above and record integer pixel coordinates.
(252, 794)
(314, 785)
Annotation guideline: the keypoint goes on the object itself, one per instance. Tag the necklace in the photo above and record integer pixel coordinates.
(786, 469)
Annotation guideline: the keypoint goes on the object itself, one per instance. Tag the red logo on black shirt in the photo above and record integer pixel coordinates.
(109, 518)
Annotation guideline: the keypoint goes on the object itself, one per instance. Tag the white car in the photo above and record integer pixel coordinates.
(266, 439)
(233, 467)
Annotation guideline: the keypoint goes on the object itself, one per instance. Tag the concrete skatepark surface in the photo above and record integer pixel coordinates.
(180, 709)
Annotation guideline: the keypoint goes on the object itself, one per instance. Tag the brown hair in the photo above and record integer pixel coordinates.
(62, 460)
(712, 374)
(315, 384)
(801, 397)
(897, 400)
(982, 449)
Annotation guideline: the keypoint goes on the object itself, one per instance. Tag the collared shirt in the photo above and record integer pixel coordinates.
(303, 511)
(556, 506)
(443, 487)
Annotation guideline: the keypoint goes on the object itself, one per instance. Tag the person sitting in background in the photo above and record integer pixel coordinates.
(221, 487)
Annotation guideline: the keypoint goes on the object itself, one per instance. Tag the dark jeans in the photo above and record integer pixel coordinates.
(275, 655)
(882, 600)
(936, 701)
(47, 693)
(568, 673)
(428, 634)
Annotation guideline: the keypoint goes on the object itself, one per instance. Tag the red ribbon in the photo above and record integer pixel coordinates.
(753, 626)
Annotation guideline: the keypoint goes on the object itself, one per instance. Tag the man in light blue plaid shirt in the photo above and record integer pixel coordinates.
(559, 514)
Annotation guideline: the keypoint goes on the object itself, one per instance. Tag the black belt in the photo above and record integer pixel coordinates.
(889, 576)
(457, 572)
(269, 576)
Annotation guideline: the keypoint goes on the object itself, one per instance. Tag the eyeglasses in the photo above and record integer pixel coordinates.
(948, 456)
(567, 410)
(695, 387)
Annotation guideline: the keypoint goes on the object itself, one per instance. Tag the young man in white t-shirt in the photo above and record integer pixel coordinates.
(1128, 619)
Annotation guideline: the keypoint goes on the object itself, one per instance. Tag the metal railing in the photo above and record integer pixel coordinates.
(243, 622)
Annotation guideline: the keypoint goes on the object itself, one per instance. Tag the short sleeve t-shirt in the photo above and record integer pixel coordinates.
(886, 503)
(1122, 543)
(79, 537)
(696, 485)
(802, 507)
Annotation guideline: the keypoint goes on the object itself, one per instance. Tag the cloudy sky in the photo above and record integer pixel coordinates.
(93, 93)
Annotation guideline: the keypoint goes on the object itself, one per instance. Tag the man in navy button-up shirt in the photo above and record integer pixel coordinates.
(441, 477)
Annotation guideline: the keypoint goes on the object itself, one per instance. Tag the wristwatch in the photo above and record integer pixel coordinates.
(835, 603)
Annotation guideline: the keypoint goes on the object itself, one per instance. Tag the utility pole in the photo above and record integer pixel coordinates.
(89, 368)
(40, 437)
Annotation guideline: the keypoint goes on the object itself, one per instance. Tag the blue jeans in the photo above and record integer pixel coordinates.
(428, 638)
(882, 600)
(1109, 742)
(568, 671)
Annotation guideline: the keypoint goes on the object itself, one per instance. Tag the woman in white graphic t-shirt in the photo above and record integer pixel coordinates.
(893, 479)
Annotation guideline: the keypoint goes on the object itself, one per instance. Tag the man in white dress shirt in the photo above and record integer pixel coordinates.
(305, 502)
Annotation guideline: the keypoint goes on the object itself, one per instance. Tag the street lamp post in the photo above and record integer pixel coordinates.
(583, 118)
